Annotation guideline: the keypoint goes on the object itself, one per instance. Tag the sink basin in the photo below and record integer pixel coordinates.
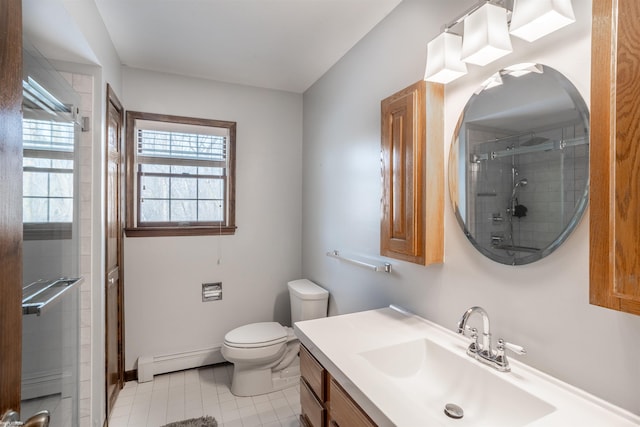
(432, 376)
(404, 370)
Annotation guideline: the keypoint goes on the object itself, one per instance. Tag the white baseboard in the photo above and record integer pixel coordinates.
(148, 366)
(38, 384)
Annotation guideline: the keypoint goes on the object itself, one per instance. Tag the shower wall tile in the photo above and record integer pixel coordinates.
(82, 83)
(86, 101)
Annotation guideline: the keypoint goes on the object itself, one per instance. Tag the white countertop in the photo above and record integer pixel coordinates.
(339, 343)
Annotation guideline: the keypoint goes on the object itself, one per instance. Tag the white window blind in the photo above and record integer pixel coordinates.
(162, 147)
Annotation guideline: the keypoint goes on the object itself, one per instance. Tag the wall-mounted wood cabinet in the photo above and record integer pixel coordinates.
(412, 227)
(614, 257)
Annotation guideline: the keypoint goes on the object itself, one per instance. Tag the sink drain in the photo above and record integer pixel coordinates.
(454, 411)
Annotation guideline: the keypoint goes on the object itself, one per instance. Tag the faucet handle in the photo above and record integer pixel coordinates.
(517, 349)
(500, 359)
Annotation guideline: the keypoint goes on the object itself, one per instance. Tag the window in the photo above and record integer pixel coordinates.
(47, 179)
(180, 175)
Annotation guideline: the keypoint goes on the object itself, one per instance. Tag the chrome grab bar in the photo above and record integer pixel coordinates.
(39, 295)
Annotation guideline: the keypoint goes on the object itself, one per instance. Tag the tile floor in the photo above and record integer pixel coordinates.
(205, 391)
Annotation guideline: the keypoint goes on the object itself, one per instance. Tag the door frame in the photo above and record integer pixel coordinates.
(11, 206)
(112, 101)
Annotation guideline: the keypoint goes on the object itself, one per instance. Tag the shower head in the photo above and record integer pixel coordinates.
(520, 183)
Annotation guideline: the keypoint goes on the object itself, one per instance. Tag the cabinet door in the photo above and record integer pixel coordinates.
(614, 257)
(313, 412)
(413, 175)
(313, 373)
(344, 412)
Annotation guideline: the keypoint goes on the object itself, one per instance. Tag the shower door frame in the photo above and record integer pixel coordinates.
(11, 207)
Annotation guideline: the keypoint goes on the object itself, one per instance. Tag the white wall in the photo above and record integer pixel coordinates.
(542, 306)
(163, 276)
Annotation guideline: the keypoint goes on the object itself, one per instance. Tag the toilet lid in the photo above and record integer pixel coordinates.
(256, 335)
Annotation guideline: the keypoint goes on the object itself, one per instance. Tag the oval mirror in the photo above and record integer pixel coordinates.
(519, 164)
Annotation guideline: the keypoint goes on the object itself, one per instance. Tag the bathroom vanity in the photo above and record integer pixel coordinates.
(388, 367)
(323, 401)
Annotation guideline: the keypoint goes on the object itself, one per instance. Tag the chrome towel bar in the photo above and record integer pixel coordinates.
(38, 296)
(381, 267)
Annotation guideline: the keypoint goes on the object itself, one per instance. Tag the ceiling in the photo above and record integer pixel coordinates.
(275, 44)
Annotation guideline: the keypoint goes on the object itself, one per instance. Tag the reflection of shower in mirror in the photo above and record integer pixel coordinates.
(535, 140)
(518, 166)
(522, 182)
(515, 209)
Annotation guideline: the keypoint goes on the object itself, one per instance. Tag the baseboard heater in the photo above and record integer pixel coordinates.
(148, 366)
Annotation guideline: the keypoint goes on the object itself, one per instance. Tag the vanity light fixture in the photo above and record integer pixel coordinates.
(486, 35)
(443, 63)
(533, 19)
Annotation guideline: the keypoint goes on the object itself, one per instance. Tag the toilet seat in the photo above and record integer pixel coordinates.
(257, 335)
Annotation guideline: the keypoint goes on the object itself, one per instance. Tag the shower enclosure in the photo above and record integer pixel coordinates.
(50, 327)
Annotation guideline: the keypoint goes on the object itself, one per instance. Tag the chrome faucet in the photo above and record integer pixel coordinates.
(484, 351)
(486, 331)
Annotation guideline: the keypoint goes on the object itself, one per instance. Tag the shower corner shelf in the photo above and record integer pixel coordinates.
(378, 266)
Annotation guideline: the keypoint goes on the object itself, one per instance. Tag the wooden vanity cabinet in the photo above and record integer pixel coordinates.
(344, 411)
(323, 402)
(313, 412)
(614, 255)
(313, 391)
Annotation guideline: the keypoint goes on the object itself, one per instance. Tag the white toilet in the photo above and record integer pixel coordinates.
(265, 354)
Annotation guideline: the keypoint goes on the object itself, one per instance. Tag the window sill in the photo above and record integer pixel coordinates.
(179, 231)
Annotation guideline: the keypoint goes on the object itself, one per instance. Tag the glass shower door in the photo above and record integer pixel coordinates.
(51, 296)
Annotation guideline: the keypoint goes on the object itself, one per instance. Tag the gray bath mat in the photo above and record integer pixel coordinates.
(195, 422)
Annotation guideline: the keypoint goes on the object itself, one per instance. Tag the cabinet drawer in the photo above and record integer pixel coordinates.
(313, 373)
(344, 411)
(312, 411)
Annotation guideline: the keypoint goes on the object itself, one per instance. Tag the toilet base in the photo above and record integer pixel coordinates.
(253, 382)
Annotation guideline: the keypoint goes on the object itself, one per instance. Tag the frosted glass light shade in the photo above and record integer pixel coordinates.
(486, 35)
(533, 19)
(443, 59)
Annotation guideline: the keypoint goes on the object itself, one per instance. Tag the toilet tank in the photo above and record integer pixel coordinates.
(308, 300)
